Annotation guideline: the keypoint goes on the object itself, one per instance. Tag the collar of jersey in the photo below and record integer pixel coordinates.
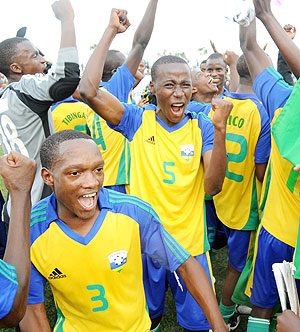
(177, 126)
(84, 240)
(242, 96)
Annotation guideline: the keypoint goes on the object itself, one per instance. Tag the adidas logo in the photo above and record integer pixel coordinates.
(151, 140)
(56, 274)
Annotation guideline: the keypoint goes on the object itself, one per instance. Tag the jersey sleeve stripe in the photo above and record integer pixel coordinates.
(9, 269)
(275, 74)
(129, 197)
(170, 241)
(184, 254)
(37, 214)
(12, 276)
(33, 222)
(35, 209)
(8, 277)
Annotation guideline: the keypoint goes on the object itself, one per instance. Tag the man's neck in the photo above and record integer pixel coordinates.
(203, 98)
(80, 226)
(245, 88)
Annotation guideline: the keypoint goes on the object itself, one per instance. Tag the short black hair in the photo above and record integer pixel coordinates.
(8, 52)
(217, 56)
(114, 59)
(50, 148)
(243, 70)
(166, 59)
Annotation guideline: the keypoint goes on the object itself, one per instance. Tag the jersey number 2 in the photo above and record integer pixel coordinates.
(236, 158)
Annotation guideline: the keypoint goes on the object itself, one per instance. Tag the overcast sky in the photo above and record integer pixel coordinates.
(181, 26)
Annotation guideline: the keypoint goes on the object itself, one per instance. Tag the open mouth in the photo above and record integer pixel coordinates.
(88, 201)
(177, 108)
(212, 83)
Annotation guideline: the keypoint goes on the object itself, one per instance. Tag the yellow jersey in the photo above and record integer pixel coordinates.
(113, 146)
(97, 280)
(167, 170)
(248, 142)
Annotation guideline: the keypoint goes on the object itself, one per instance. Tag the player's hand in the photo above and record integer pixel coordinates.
(119, 20)
(230, 58)
(297, 168)
(143, 102)
(222, 109)
(17, 171)
(63, 10)
(288, 322)
(290, 30)
(262, 7)
(213, 46)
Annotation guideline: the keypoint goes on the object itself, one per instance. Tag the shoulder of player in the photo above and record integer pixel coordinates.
(247, 102)
(39, 218)
(131, 206)
(201, 118)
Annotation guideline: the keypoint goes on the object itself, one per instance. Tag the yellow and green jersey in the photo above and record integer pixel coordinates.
(70, 114)
(113, 146)
(167, 170)
(282, 207)
(248, 142)
(281, 200)
(97, 280)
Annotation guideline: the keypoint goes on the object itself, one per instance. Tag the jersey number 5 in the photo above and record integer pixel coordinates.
(171, 176)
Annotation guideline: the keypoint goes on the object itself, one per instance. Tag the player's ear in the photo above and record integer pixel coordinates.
(47, 176)
(152, 88)
(194, 90)
(15, 68)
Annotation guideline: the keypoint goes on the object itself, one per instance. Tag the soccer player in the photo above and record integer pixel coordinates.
(279, 225)
(70, 113)
(18, 174)
(175, 157)
(203, 88)
(87, 242)
(217, 69)
(25, 117)
(248, 143)
(119, 78)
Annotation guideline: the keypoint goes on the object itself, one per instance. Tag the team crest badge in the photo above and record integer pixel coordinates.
(187, 151)
(117, 259)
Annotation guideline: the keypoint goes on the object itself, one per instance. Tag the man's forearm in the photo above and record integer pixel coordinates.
(35, 319)
(141, 38)
(145, 28)
(287, 47)
(198, 284)
(94, 69)
(256, 58)
(216, 171)
(68, 38)
(17, 253)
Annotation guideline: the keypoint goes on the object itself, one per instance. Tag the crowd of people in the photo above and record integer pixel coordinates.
(121, 186)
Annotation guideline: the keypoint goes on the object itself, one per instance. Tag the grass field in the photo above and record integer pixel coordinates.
(169, 323)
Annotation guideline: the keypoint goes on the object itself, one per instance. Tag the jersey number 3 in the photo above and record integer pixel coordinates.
(99, 297)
